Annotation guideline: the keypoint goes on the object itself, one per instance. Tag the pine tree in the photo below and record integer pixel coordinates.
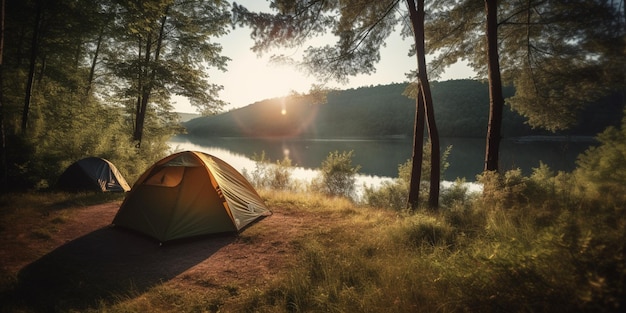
(361, 29)
(164, 47)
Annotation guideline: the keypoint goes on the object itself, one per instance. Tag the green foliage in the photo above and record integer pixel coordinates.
(68, 131)
(462, 108)
(601, 169)
(456, 195)
(361, 29)
(425, 231)
(337, 175)
(281, 175)
(536, 254)
(507, 190)
(257, 177)
(561, 78)
(503, 190)
(474, 258)
(394, 195)
(180, 47)
(560, 56)
(87, 81)
(275, 176)
(518, 265)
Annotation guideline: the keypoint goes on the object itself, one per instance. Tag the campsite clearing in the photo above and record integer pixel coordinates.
(71, 258)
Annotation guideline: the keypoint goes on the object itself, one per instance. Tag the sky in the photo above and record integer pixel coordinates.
(250, 78)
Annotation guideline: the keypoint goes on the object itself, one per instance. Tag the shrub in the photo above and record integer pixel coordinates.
(503, 190)
(257, 176)
(456, 194)
(394, 195)
(424, 231)
(280, 175)
(268, 175)
(72, 129)
(601, 170)
(337, 175)
(516, 266)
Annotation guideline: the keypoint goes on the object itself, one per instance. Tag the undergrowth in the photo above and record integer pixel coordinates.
(527, 244)
(547, 242)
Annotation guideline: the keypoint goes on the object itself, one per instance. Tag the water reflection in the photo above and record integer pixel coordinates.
(243, 162)
(379, 159)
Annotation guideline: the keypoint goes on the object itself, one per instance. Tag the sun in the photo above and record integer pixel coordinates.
(270, 81)
(283, 106)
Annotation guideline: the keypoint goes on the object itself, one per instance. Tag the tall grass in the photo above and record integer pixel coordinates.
(527, 244)
(539, 243)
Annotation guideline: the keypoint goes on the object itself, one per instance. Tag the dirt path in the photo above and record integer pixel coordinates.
(84, 260)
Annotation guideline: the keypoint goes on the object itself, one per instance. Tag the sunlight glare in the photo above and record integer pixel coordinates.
(273, 81)
(283, 107)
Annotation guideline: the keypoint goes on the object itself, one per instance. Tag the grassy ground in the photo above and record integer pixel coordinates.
(317, 254)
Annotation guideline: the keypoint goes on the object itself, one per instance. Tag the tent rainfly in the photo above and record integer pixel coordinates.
(92, 174)
(190, 194)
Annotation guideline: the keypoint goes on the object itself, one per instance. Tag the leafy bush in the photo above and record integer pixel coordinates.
(394, 195)
(275, 176)
(468, 257)
(519, 265)
(456, 194)
(503, 190)
(337, 175)
(73, 129)
(602, 170)
(424, 231)
(258, 176)
(280, 175)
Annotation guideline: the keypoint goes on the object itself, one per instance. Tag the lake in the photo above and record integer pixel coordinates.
(379, 159)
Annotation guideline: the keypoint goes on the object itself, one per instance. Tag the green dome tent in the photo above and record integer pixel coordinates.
(190, 194)
(92, 174)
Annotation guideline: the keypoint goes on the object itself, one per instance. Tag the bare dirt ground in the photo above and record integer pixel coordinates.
(82, 260)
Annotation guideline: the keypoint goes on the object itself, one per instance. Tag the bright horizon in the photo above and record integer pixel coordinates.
(250, 78)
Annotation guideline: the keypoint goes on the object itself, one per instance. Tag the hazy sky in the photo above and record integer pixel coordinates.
(251, 78)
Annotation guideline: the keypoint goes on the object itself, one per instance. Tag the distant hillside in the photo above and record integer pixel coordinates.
(184, 117)
(461, 110)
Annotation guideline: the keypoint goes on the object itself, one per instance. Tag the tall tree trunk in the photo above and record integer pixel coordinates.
(3, 145)
(417, 20)
(142, 96)
(496, 100)
(140, 82)
(435, 154)
(147, 87)
(33, 61)
(418, 151)
(94, 62)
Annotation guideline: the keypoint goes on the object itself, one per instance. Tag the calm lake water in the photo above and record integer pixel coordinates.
(379, 159)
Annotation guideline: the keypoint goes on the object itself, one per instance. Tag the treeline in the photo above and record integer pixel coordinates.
(96, 78)
(461, 110)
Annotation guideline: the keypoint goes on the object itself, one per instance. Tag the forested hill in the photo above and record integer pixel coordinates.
(461, 110)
